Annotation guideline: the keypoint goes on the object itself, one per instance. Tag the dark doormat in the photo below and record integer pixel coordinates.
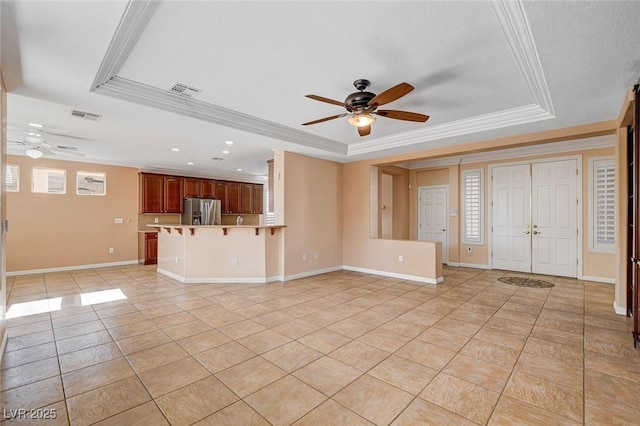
(526, 282)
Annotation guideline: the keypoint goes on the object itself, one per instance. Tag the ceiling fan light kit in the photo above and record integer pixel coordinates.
(362, 105)
(34, 153)
(361, 119)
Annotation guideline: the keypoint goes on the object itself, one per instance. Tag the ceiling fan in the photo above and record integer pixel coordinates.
(38, 148)
(362, 107)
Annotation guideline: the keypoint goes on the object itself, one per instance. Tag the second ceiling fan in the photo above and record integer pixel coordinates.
(363, 106)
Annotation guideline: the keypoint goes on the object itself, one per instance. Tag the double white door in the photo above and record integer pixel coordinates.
(534, 218)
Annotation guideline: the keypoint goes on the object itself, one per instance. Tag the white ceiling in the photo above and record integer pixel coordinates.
(480, 70)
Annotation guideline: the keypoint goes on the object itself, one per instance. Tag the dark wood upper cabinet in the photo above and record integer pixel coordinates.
(222, 194)
(246, 196)
(173, 194)
(208, 188)
(234, 194)
(257, 199)
(192, 187)
(151, 193)
(165, 194)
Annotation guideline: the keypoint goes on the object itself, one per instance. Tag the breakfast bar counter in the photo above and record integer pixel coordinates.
(219, 253)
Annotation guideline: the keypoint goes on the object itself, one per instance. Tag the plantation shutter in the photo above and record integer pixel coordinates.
(473, 206)
(604, 208)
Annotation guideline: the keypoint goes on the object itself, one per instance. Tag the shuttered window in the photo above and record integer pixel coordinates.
(12, 178)
(603, 204)
(49, 181)
(472, 204)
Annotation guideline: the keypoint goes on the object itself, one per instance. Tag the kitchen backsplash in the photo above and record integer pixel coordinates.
(174, 219)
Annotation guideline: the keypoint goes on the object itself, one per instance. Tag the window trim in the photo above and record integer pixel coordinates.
(479, 241)
(594, 246)
(64, 181)
(16, 177)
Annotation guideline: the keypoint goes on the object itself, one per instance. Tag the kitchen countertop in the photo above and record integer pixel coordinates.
(214, 226)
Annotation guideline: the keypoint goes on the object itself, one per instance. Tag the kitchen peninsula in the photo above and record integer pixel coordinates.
(220, 253)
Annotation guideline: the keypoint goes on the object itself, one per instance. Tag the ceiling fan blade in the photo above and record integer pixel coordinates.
(364, 130)
(402, 115)
(390, 95)
(324, 119)
(327, 100)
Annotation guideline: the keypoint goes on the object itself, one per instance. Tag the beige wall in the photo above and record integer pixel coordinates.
(311, 202)
(594, 264)
(360, 252)
(55, 231)
(401, 194)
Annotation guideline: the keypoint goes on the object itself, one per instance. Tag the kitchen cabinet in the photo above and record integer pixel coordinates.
(208, 188)
(234, 193)
(257, 200)
(160, 193)
(246, 198)
(148, 248)
(199, 188)
(222, 194)
(192, 187)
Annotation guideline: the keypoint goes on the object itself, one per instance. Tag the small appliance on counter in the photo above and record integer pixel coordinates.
(201, 211)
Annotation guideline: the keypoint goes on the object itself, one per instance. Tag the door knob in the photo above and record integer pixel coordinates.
(535, 226)
(536, 232)
(527, 232)
(444, 230)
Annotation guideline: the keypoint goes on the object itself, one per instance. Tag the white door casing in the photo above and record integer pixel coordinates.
(511, 235)
(554, 218)
(433, 207)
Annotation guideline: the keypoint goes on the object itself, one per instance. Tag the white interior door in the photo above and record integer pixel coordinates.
(511, 237)
(432, 216)
(554, 218)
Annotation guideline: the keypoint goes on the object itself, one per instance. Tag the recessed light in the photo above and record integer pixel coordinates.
(190, 163)
(239, 170)
(225, 152)
(175, 149)
(229, 142)
(36, 134)
(38, 125)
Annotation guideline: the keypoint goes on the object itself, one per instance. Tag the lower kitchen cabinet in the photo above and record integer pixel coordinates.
(148, 248)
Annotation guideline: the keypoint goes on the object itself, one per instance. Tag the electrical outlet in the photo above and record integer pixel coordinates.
(315, 255)
(155, 220)
(304, 257)
(401, 258)
(111, 250)
(234, 261)
(118, 220)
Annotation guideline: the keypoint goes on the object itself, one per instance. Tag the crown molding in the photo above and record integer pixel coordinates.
(608, 141)
(510, 15)
(428, 137)
(143, 94)
(515, 25)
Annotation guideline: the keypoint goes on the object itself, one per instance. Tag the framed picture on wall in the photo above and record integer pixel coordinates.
(91, 183)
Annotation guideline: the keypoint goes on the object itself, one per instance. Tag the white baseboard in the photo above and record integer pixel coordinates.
(619, 310)
(395, 275)
(312, 273)
(473, 265)
(599, 279)
(209, 280)
(71, 268)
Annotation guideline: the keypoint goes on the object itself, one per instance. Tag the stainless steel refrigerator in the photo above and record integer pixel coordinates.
(201, 211)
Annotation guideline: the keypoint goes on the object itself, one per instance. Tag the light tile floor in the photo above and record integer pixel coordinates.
(342, 348)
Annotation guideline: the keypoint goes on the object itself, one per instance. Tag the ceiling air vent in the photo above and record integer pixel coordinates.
(184, 90)
(86, 115)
